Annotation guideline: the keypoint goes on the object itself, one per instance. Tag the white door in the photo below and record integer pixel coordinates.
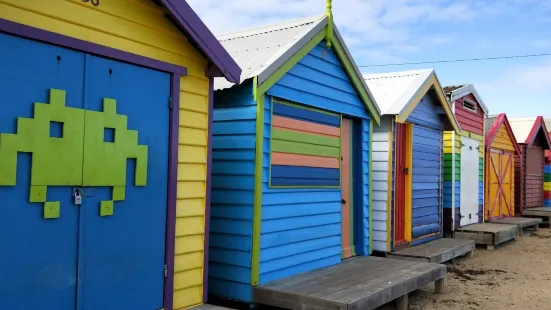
(469, 182)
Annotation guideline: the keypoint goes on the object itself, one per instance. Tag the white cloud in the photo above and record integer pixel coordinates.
(535, 77)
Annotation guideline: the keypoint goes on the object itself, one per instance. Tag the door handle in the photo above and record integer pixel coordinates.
(406, 170)
(343, 201)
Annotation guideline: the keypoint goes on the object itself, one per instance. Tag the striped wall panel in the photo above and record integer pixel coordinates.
(305, 147)
(547, 186)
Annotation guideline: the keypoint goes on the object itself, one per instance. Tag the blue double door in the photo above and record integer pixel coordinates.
(82, 260)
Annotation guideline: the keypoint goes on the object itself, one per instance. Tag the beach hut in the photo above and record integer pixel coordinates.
(104, 153)
(533, 139)
(500, 151)
(547, 171)
(291, 158)
(408, 157)
(464, 159)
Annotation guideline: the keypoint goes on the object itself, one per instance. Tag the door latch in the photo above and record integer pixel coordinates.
(406, 170)
(343, 201)
(77, 196)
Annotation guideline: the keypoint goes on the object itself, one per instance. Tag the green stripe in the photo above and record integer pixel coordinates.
(547, 177)
(449, 156)
(295, 136)
(305, 107)
(304, 149)
(448, 177)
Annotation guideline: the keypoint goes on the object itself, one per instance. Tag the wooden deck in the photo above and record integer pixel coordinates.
(357, 283)
(544, 213)
(521, 222)
(437, 251)
(208, 307)
(488, 234)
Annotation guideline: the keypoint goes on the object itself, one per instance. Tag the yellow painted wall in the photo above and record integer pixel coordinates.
(139, 27)
(503, 140)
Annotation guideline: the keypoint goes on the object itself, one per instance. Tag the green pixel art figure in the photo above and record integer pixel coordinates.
(80, 157)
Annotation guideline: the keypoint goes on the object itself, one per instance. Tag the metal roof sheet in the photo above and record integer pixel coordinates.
(394, 90)
(258, 50)
(488, 122)
(521, 127)
(548, 124)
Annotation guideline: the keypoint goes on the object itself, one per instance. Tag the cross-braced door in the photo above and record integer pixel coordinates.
(500, 189)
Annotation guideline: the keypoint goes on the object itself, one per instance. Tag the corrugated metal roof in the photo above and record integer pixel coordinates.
(260, 49)
(548, 124)
(449, 89)
(488, 122)
(521, 127)
(394, 90)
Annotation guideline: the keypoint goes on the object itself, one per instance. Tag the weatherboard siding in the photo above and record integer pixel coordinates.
(232, 194)
(380, 152)
(140, 27)
(426, 170)
(468, 120)
(301, 228)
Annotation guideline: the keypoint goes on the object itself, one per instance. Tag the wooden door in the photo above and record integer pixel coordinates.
(347, 189)
(533, 182)
(400, 176)
(501, 185)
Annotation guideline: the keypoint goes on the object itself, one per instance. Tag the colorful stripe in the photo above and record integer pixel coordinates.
(547, 185)
(305, 147)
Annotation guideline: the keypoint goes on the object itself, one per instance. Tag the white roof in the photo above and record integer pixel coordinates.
(261, 51)
(521, 127)
(394, 90)
(463, 90)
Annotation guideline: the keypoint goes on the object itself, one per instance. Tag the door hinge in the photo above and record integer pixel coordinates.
(166, 271)
(170, 104)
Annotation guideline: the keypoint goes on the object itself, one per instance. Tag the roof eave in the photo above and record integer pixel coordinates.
(199, 33)
(431, 81)
(465, 90)
(501, 119)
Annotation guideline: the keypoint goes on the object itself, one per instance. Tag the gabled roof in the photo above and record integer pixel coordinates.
(488, 122)
(194, 28)
(398, 93)
(261, 52)
(457, 91)
(526, 129)
(492, 125)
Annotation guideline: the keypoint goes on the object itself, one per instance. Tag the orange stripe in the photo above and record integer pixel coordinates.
(289, 123)
(287, 159)
(345, 177)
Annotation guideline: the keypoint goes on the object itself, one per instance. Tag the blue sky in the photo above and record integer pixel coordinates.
(397, 31)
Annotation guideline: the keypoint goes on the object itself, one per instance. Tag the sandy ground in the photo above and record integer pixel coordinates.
(516, 275)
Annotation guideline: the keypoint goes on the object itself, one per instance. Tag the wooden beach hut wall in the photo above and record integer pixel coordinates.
(533, 139)
(499, 183)
(547, 171)
(464, 159)
(291, 180)
(87, 86)
(407, 158)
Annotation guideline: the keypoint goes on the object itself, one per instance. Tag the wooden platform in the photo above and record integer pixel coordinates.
(521, 222)
(208, 307)
(357, 283)
(543, 213)
(437, 251)
(488, 234)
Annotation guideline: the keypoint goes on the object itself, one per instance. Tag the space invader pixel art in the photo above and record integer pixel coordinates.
(81, 156)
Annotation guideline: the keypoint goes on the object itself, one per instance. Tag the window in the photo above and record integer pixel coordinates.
(469, 105)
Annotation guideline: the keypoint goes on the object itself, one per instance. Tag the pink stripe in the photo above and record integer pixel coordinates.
(287, 159)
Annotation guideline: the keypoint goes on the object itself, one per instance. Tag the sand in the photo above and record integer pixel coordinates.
(516, 275)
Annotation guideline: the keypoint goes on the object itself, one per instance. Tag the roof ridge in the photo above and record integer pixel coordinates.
(270, 28)
(396, 74)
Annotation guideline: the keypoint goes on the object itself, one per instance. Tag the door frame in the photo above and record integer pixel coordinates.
(176, 72)
(408, 144)
(462, 165)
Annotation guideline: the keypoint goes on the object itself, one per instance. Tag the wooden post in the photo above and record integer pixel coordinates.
(490, 247)
(471, 253)
(439, 286)
(402, 303)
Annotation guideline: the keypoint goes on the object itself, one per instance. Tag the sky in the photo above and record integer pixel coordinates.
(398, 31)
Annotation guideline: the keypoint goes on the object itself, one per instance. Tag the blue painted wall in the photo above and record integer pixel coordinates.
(301, 228)
(232, 196)
(427, 169)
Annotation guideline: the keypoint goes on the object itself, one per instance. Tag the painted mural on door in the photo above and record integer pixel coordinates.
(469, 181)
(500, 197)
(79, 236)
(347, 188)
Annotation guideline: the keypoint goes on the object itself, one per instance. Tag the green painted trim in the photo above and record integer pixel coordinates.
(301, 137)
(349, 68)
(305, 149)
(371, 187)
(270, 165)
(279, 73)
(329, 29)
(304, 107)
(351, 186)
(257, 213)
